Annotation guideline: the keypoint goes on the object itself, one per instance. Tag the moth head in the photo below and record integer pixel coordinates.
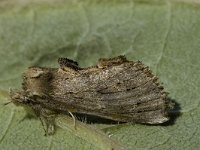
(19, 98)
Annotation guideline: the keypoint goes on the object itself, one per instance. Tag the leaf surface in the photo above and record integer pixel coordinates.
(164, 35)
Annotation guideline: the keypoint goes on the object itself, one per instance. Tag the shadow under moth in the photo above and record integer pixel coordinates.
(115, 89)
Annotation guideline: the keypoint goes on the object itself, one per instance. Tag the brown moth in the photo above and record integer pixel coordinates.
(115, 89)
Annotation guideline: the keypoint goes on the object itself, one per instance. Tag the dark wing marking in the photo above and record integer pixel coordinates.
(68, 63)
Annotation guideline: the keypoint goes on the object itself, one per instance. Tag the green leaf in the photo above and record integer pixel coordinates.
(164, 35)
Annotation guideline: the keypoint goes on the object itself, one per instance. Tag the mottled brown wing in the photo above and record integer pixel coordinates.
(125, 91)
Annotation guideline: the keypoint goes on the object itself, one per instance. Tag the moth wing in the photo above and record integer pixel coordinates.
(127, 92)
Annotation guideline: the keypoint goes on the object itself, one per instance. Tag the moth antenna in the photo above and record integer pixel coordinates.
(10, 101)
(11, 91)
(7, 103)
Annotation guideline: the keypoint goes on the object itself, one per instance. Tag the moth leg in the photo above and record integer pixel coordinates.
(43, 125)
(68, 65)
(74, 119)
(47, 118)
(104, 62)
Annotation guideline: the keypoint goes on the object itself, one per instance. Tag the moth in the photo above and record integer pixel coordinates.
(115, 89)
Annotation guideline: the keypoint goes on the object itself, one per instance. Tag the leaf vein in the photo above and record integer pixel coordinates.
(169, 18)
(8, 126)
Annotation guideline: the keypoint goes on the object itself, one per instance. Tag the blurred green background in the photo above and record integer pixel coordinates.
(163, 34)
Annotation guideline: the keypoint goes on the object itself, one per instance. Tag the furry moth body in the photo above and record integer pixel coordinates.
(115, 89)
